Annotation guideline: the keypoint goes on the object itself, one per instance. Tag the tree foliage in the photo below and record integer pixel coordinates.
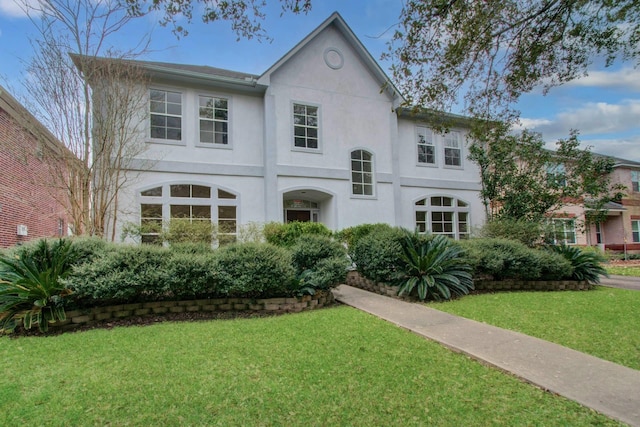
(493, 51)
(244, 16)
(521, 180)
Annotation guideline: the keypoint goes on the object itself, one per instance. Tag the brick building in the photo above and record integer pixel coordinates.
(33, 201)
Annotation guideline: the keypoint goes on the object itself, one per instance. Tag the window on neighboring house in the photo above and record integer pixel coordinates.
(556, 174)
(564, 231)
(635, 181)
(443, 215)
(166, 114)
(60, 227)
(214, 120)
(305, 126)
(635, 231)
(598, 233)
(361, 173)
(188, 202)
(452, 149)
(426, 146)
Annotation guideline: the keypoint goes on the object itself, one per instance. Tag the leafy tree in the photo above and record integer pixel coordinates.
(245, 16)
(495, 50)
(521, 180)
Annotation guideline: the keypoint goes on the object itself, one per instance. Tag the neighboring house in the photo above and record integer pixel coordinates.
(319, 136)
(32, 204)
(621, 230)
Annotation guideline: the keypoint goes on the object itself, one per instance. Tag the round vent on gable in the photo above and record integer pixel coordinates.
(333, 58)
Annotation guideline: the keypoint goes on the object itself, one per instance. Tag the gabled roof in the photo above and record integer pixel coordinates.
(339, 23)
(619, 162)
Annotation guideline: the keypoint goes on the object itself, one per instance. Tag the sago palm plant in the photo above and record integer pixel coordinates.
(433, 266)
(31, 291)
(587, 266)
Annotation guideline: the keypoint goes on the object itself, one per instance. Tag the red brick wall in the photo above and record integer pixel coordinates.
(28, 193)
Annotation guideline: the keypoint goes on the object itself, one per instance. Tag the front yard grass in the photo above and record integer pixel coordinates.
(333, 366)
(604, 322)
(622, 270)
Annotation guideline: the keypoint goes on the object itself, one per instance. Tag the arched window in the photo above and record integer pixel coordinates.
(361, 173)
(192, 202)
(443, 215)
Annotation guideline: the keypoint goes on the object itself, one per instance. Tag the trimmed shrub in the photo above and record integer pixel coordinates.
(252, 270)
(191, 274)
(507, 259)
(191, 248)
(285, 235)
(351, 235)
(320, 262)
(128, 274)
(434, 267)
(378, 255)
(309, 249)
(587, 265)
(89, 248)
(553, 266)
(181, 231)
(529, 233)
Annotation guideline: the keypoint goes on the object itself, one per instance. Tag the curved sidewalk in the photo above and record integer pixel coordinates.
(622, 282)
(610, 389)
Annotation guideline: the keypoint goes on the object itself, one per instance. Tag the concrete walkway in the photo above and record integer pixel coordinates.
(624, 282)
(608, 388)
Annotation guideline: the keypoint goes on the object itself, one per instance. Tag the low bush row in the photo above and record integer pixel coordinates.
(82, 273)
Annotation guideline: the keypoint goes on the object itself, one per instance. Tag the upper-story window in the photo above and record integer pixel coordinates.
(214, 120)
(165, 109)
(635, 181)
(361, 173)
(452, 149)
(305, 126)
(426, 146)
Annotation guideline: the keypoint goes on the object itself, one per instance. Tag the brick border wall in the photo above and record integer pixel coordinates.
(76, 318)
(356, 280)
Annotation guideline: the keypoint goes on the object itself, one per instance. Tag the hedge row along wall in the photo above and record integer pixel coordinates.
(356, 280)
(76, 318)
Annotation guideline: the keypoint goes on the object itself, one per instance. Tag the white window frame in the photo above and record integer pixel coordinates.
(447, 141)
(214, 201)
(307, 149)
(556, 222)
(635, 181)
(229, 101)
(363, 174)
(635, 230)
(424, 208)
(182, 139)
(425, 137)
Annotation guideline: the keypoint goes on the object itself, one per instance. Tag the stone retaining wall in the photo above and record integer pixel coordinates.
(76, 318)
(356, 280)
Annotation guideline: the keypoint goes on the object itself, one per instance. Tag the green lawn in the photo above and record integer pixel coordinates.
(334, 366)
(623, 271)
(604, 322)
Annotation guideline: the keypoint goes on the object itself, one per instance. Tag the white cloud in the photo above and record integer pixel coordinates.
(628, 78)
(13, 8)
(592, 118)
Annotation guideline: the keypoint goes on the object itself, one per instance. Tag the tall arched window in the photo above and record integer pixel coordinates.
(443, 215)
(361, 173)
(192, 202)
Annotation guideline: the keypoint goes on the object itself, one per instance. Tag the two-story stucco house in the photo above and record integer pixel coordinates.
(319, 136)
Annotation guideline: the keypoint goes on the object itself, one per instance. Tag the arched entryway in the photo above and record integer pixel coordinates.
(306, 205)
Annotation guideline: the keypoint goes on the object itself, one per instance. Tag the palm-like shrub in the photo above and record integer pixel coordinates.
(31, 290)
(434, 266)
(587, 266)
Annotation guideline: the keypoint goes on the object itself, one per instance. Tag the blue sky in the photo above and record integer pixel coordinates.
(604, 106)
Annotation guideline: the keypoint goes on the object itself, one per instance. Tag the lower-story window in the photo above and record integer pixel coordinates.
(187, 202)
(635, 231)
(564, 231)
(443, 215)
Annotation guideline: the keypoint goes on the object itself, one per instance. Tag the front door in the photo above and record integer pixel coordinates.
(298, 215)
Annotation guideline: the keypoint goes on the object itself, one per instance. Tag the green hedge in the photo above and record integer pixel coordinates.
(352, 235)
(286, 234)
(378, 255)
(320, 261)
